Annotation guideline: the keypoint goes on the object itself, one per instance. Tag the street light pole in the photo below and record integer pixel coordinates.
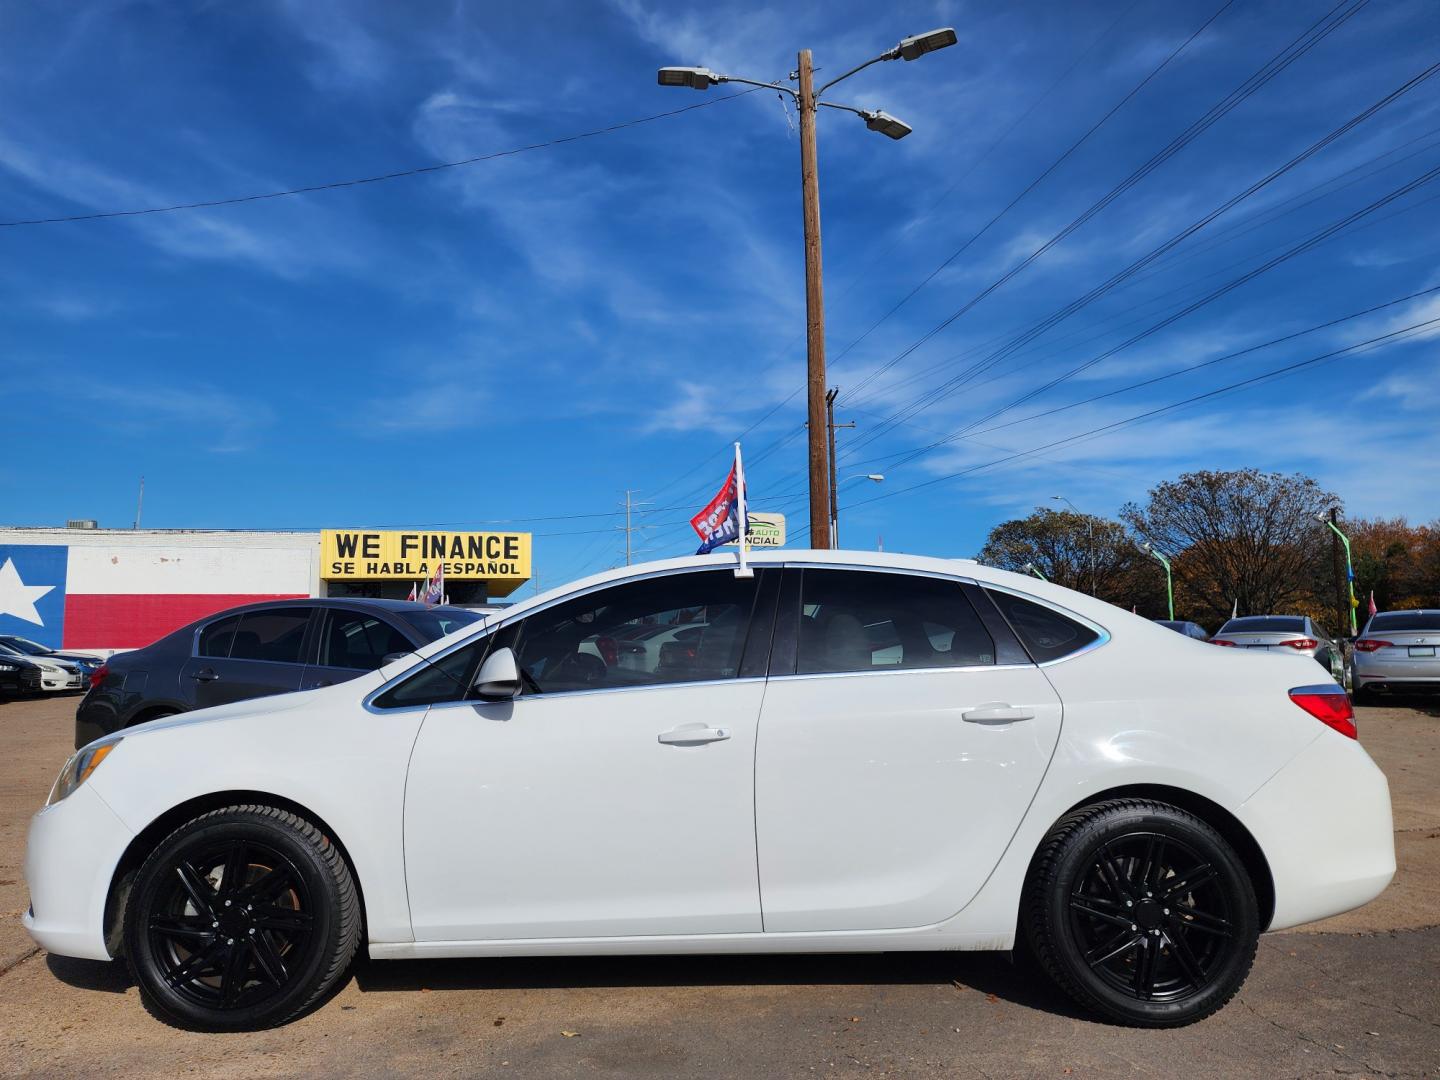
(1169, 579)
(874, 477)
(1089, 539)
(1329, 519)
(807, 103)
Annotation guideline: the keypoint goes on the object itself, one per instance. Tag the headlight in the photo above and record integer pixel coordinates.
(8, 667)
(78, 769)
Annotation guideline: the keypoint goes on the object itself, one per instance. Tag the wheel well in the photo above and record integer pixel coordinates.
(1219, 819)
(153, 713)
(146, 840)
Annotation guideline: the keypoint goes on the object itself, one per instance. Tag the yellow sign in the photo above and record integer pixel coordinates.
(500, 559)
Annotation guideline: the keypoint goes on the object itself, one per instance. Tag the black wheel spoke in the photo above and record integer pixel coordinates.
(1097, 908)
(1110, 949)
(1190, 880)
(1147, 962)
(201, 894)
(267, 886)
(1186, 958)
(1112, 876)
(1194, 919)
(234, 972)
(232, 880)
(195, 965)
(286, 920)
(183, 927)
(269, 960)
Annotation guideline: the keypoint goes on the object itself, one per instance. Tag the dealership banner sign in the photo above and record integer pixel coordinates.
(765, 530)
(387, 554)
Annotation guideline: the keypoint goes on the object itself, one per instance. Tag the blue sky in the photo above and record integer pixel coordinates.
(528, 337)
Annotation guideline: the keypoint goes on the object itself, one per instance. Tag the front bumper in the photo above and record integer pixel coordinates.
(1324, 824)
(57, 681)
(70, 858)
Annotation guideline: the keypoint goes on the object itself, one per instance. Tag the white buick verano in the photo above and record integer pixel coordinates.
(843, 752)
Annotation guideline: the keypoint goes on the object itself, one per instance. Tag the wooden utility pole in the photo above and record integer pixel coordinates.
(820, 480)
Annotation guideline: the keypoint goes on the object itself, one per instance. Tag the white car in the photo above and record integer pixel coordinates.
(1032, 766)
(55, 675)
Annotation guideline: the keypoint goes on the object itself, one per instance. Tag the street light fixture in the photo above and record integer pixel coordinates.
(1327, 517)
(1149, 549)
(874, 477)
(1031, 568)
(807, 103)
(1090, 540)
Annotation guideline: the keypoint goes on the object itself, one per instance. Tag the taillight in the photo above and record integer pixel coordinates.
(1370, 645)
(1221, 641)
(1301, 643)
(608, 649)
(98, 675)
(1328, 704)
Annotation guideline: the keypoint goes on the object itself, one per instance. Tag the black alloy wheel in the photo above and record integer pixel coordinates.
(1142, 912)
(241, 919)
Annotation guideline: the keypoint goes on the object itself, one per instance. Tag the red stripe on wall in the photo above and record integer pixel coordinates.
(125, 621)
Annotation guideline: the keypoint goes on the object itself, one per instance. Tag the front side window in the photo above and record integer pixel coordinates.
(1046, 634)
(274, 635)
(673, 629)
(434, 681)
(355, 639)
(854, 620)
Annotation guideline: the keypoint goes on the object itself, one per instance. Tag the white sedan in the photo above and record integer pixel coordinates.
(864, 752)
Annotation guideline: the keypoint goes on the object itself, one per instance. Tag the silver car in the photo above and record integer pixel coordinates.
(1396, 653)
(1297, 633)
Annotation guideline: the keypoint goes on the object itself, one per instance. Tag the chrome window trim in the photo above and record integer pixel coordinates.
(553, 694)
(968, 669)
(223, 615)
(1102, 640)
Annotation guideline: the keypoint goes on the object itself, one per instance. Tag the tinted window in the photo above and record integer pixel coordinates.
(1047, 634)
(274, 635)
(1406, 620)
(674, 629)
(1264, 624)
(446, 679)
(215, 639)
(24, 645)
(854, 620)
(355, 639)
(435, 624)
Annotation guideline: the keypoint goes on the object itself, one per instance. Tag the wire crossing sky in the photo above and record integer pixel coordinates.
(324, 264)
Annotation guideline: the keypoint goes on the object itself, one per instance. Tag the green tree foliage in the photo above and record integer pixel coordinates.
(1080, 551)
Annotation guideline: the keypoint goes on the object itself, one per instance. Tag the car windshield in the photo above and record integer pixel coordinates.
(24, 645)
(1406, 620)
(1264, 624)
(438, 622)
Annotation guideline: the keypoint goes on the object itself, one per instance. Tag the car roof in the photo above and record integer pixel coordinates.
(332, 601)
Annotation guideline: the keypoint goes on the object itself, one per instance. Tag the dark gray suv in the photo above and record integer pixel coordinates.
(252, 651)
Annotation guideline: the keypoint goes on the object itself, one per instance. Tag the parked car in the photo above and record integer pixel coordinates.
(253, 651)
(55, 675)
(18, 676)
(492, 796)
(1396, 654)
(84, 661)
(1189, 629)
(1291, 633)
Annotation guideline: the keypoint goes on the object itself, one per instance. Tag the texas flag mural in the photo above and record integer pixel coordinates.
(105, 597)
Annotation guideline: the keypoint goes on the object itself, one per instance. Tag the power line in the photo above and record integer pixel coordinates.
(383, 177)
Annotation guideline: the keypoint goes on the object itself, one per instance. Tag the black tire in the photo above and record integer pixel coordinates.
(241, 919)
(1141, 912)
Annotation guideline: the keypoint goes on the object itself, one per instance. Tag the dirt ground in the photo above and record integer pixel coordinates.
(1358, 994)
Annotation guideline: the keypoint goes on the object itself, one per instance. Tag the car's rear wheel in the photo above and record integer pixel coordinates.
(1142, 912)
(241, 919)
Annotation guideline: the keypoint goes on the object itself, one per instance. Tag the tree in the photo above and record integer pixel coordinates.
(1240, 536)
(1397, 561)
(1080, 551)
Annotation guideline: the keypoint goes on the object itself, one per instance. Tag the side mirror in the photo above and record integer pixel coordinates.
(498, 678)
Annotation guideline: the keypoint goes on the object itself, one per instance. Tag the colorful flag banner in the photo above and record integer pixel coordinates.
(724, 519)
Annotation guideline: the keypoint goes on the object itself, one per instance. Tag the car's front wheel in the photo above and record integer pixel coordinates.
(241, 919)
(1142, 912)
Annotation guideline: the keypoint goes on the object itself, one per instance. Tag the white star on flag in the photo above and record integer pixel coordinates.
(17, 598)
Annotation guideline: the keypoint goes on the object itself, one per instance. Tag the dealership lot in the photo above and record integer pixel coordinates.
(1356, 994)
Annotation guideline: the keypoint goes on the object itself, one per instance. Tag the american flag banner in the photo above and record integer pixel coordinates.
(724, 519)
(435, 587)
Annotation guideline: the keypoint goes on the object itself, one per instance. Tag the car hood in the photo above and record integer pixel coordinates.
(240, 711)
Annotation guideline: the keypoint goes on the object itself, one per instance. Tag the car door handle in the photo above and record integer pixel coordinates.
(204, 675)
(693, 735)
(996, 712)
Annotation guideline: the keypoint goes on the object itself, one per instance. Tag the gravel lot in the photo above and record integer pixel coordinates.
(1356, 995)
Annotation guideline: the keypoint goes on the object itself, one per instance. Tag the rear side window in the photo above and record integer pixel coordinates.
(1046, 634)
(216, 639)
(854, 620)
(274, 635)
(354, 639)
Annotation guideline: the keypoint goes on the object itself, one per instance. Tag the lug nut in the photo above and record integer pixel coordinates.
(231, 941)
(1134, 927)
